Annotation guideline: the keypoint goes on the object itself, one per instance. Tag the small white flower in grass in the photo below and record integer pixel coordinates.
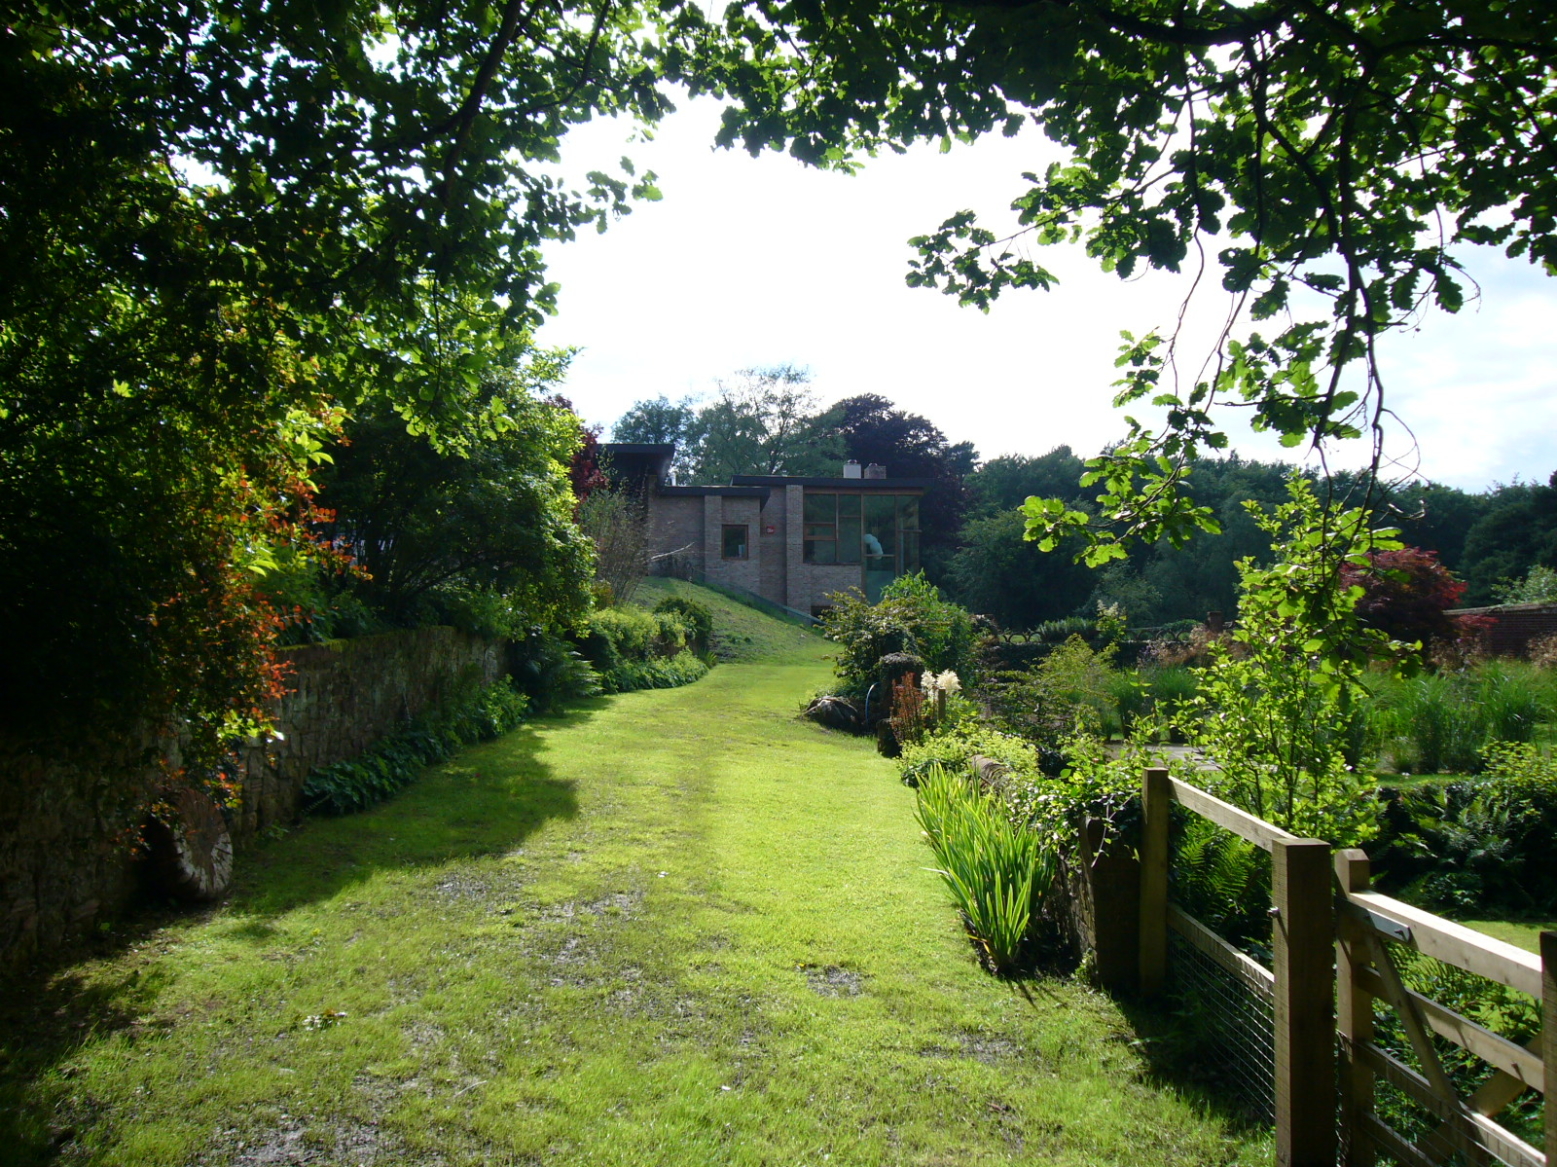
(949, 681)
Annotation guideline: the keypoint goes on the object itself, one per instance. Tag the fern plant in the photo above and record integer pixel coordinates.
(1222, 880)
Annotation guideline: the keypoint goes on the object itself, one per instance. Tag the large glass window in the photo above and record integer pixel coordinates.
(880, 532)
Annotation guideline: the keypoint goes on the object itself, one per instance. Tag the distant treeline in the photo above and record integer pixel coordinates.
(767, 421)
(1486, 539)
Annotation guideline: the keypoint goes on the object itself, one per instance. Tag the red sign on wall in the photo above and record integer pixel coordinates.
(770, 530)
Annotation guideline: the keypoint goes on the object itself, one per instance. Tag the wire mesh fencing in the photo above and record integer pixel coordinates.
(1230, 1026)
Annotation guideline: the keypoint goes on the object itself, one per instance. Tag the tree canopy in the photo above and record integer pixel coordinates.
(223, 225)
(1326, 164)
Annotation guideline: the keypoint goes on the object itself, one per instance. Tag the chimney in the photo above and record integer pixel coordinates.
(875, 470)
(851, 469)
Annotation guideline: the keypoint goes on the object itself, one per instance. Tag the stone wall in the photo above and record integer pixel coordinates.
(67, 835)
(65, 839)
(1514, 626)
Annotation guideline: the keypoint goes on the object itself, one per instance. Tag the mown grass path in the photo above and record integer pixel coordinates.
(675, 927)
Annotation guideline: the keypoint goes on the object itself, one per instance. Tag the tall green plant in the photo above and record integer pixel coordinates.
(911, 616)
(994, 869)
(1274, 702)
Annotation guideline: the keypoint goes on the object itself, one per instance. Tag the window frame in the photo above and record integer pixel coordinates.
(724, 541)
(815, 533)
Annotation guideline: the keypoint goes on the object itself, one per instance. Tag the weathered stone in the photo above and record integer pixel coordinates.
(836, 713)
(68, 834)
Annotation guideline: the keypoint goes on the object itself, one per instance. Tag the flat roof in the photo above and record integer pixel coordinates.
(835, 483)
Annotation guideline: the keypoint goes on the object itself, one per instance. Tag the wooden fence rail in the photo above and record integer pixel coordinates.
(1332, 942)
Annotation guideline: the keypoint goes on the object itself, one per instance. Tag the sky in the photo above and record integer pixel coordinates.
(758, 262)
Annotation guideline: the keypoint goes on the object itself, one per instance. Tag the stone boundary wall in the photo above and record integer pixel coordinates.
(66, 835)
(1514, 627)
(347, 695)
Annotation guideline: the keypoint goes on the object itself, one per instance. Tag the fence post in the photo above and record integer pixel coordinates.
(1303, 941)
(1549, 1042)
(1155, 797)
(1354, 1013)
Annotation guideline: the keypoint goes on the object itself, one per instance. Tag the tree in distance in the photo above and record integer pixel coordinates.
(1342, 155)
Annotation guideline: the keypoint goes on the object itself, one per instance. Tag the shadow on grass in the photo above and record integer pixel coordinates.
(486, 801)
(1178, 1059)
(1164, 1033)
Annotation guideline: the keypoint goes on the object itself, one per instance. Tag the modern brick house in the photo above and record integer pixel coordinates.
(791, 540)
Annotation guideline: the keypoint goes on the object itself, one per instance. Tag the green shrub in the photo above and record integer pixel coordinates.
(371, 777)
(998, 873)
(654, 673)
(1093, 785)
(953, 748)
(699, 621)
(632, 633)
(633, 648)
(1071, 690)
(910, 617)
(1474, 845)
(550, 671)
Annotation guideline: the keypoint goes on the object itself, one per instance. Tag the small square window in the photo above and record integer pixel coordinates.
(735, 541)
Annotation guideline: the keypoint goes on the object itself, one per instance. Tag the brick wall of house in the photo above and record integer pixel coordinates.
(774, 579)
(719, 510)
(676, 529)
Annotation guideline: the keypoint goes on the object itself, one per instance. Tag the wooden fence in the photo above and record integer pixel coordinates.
(1331, 940)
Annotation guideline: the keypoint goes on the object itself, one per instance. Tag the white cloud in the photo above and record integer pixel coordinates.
(763, 261)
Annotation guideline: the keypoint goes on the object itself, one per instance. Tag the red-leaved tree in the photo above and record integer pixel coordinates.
(1407, 595)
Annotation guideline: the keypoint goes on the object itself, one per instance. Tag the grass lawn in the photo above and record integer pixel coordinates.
(678, 926)
(741, 633)
(1524, 934)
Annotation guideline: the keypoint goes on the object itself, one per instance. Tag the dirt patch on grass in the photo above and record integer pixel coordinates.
(990, 1049)
(833, 981)
(293, 1143)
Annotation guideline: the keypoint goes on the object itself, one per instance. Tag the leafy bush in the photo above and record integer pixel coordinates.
(654, 673)
(632, 648)
(910, 617)
(698, 619)
(1071, 690)
(549, 670)
(997, 872)
(378, 773)
(1094, 785)
(953, 748)
(1488, 843)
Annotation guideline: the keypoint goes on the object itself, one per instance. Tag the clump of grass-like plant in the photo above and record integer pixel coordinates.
(995, 870)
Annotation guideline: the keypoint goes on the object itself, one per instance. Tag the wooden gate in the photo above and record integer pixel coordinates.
(1331, 938)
